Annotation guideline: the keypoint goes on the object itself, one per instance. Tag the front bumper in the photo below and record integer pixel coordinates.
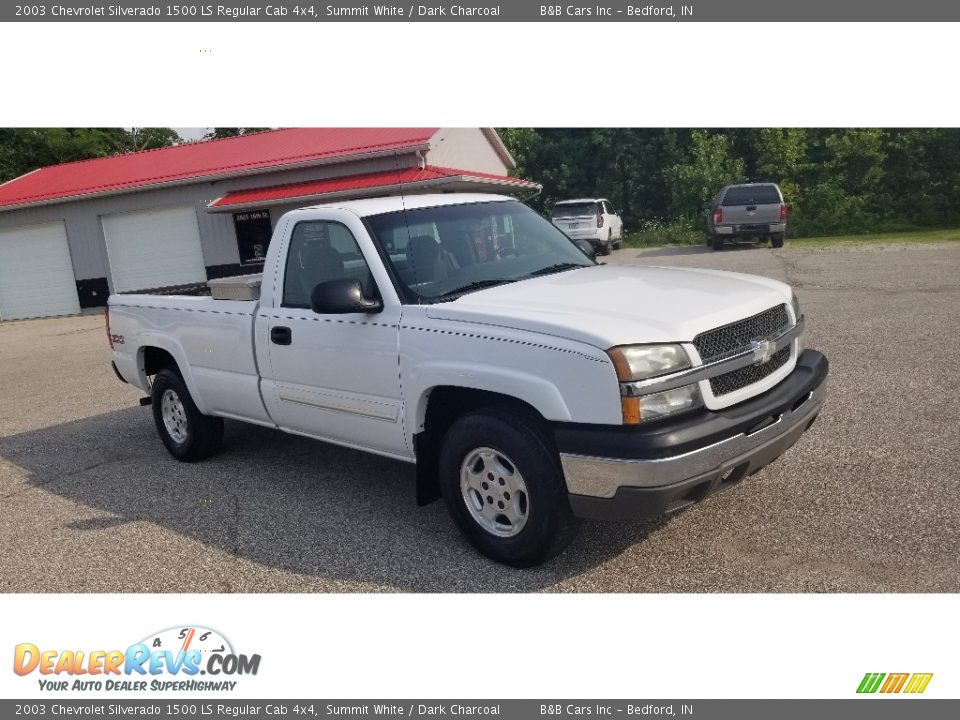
(631, 472)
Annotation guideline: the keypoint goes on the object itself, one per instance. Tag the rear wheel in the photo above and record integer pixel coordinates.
(716, 242)
(776, 240)
(503, 486)
(188, 434)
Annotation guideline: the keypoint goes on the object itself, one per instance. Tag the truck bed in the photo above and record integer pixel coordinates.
(237, 287)
(191, 290)
(211, 340)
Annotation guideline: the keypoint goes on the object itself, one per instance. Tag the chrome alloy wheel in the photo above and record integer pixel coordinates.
(494, 492)
(174, 416)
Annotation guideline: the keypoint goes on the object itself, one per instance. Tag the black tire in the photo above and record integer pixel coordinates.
(709, 239)
(776, 240)
(716, 242)
(202, 434)
(549, 524)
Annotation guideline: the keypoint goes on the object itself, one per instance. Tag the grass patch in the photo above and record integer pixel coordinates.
(681, 234)
(909, 237)
(656, 233)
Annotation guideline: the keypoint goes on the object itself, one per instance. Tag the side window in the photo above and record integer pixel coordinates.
(609, 208)
(321, 250)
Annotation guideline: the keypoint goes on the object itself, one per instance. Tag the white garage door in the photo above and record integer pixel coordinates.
(154, 249)
(36, 275)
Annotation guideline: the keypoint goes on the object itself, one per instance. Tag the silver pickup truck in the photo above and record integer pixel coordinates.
(755, 211)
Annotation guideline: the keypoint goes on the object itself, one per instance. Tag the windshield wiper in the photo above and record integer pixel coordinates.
(475, 285)
(559, 267)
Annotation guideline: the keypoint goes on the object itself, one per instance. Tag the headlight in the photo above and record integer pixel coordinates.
(652, 407)
(797, 314)
(639, 362)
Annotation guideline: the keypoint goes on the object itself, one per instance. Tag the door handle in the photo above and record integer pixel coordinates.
(281, 335)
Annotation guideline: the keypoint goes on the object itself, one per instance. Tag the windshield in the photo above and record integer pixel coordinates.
(439, 253)
(575, 210)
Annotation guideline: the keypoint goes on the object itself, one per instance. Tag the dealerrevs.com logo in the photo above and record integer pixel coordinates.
(909, 683)
(172, 659)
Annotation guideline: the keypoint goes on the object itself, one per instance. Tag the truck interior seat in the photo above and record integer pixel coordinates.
(426, 260)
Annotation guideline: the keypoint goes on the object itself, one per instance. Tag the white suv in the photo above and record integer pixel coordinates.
(591, 219)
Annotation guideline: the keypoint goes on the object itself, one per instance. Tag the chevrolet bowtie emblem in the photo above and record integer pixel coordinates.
(762, 351)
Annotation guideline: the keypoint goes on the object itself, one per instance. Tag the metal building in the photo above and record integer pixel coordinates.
(71, 234)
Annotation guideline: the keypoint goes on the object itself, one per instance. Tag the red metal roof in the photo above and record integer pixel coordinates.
(430, 175)
(213, 158)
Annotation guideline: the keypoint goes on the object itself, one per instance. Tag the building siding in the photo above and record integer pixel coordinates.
(82, 218)
(466, 148)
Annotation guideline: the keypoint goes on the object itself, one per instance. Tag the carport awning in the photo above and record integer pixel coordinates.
(353, 186)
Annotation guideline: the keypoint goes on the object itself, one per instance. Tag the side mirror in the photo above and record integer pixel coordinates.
(586, 248)
(340, 296)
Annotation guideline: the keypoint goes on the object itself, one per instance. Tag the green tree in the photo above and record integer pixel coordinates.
(622, 164)
(704, 166)
(220, 133)
(856, 159)
(26, 149)
(136, 139)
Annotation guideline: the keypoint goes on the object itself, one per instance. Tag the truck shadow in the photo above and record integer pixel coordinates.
(317, 510)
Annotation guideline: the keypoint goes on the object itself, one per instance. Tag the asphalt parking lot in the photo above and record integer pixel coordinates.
(869, 500)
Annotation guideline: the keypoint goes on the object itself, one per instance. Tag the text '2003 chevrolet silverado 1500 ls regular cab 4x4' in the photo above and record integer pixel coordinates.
(531, 386)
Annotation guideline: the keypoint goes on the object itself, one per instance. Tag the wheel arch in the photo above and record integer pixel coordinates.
(158, 352)
(443, 405)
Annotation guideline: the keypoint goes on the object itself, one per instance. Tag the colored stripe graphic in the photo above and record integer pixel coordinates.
(870, 682)
(894, 683)
(918, 682)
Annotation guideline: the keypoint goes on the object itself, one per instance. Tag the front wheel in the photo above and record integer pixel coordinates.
(188, 434)
(503, 486)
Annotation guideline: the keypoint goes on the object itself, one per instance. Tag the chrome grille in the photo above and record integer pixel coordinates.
(728, 382)
(726, 341)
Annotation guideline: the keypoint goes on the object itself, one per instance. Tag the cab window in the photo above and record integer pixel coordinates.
(321, 250)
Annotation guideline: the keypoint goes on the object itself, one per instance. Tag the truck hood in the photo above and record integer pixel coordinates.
(607, 305)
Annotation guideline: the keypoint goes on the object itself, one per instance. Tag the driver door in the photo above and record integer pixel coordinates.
(333, 376)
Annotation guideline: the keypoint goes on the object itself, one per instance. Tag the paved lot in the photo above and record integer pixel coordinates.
(869, 500)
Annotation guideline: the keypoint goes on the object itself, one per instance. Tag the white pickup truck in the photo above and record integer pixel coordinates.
(531, 386)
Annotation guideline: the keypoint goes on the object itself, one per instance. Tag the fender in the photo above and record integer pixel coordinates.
(537, 392)
(165, 342)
